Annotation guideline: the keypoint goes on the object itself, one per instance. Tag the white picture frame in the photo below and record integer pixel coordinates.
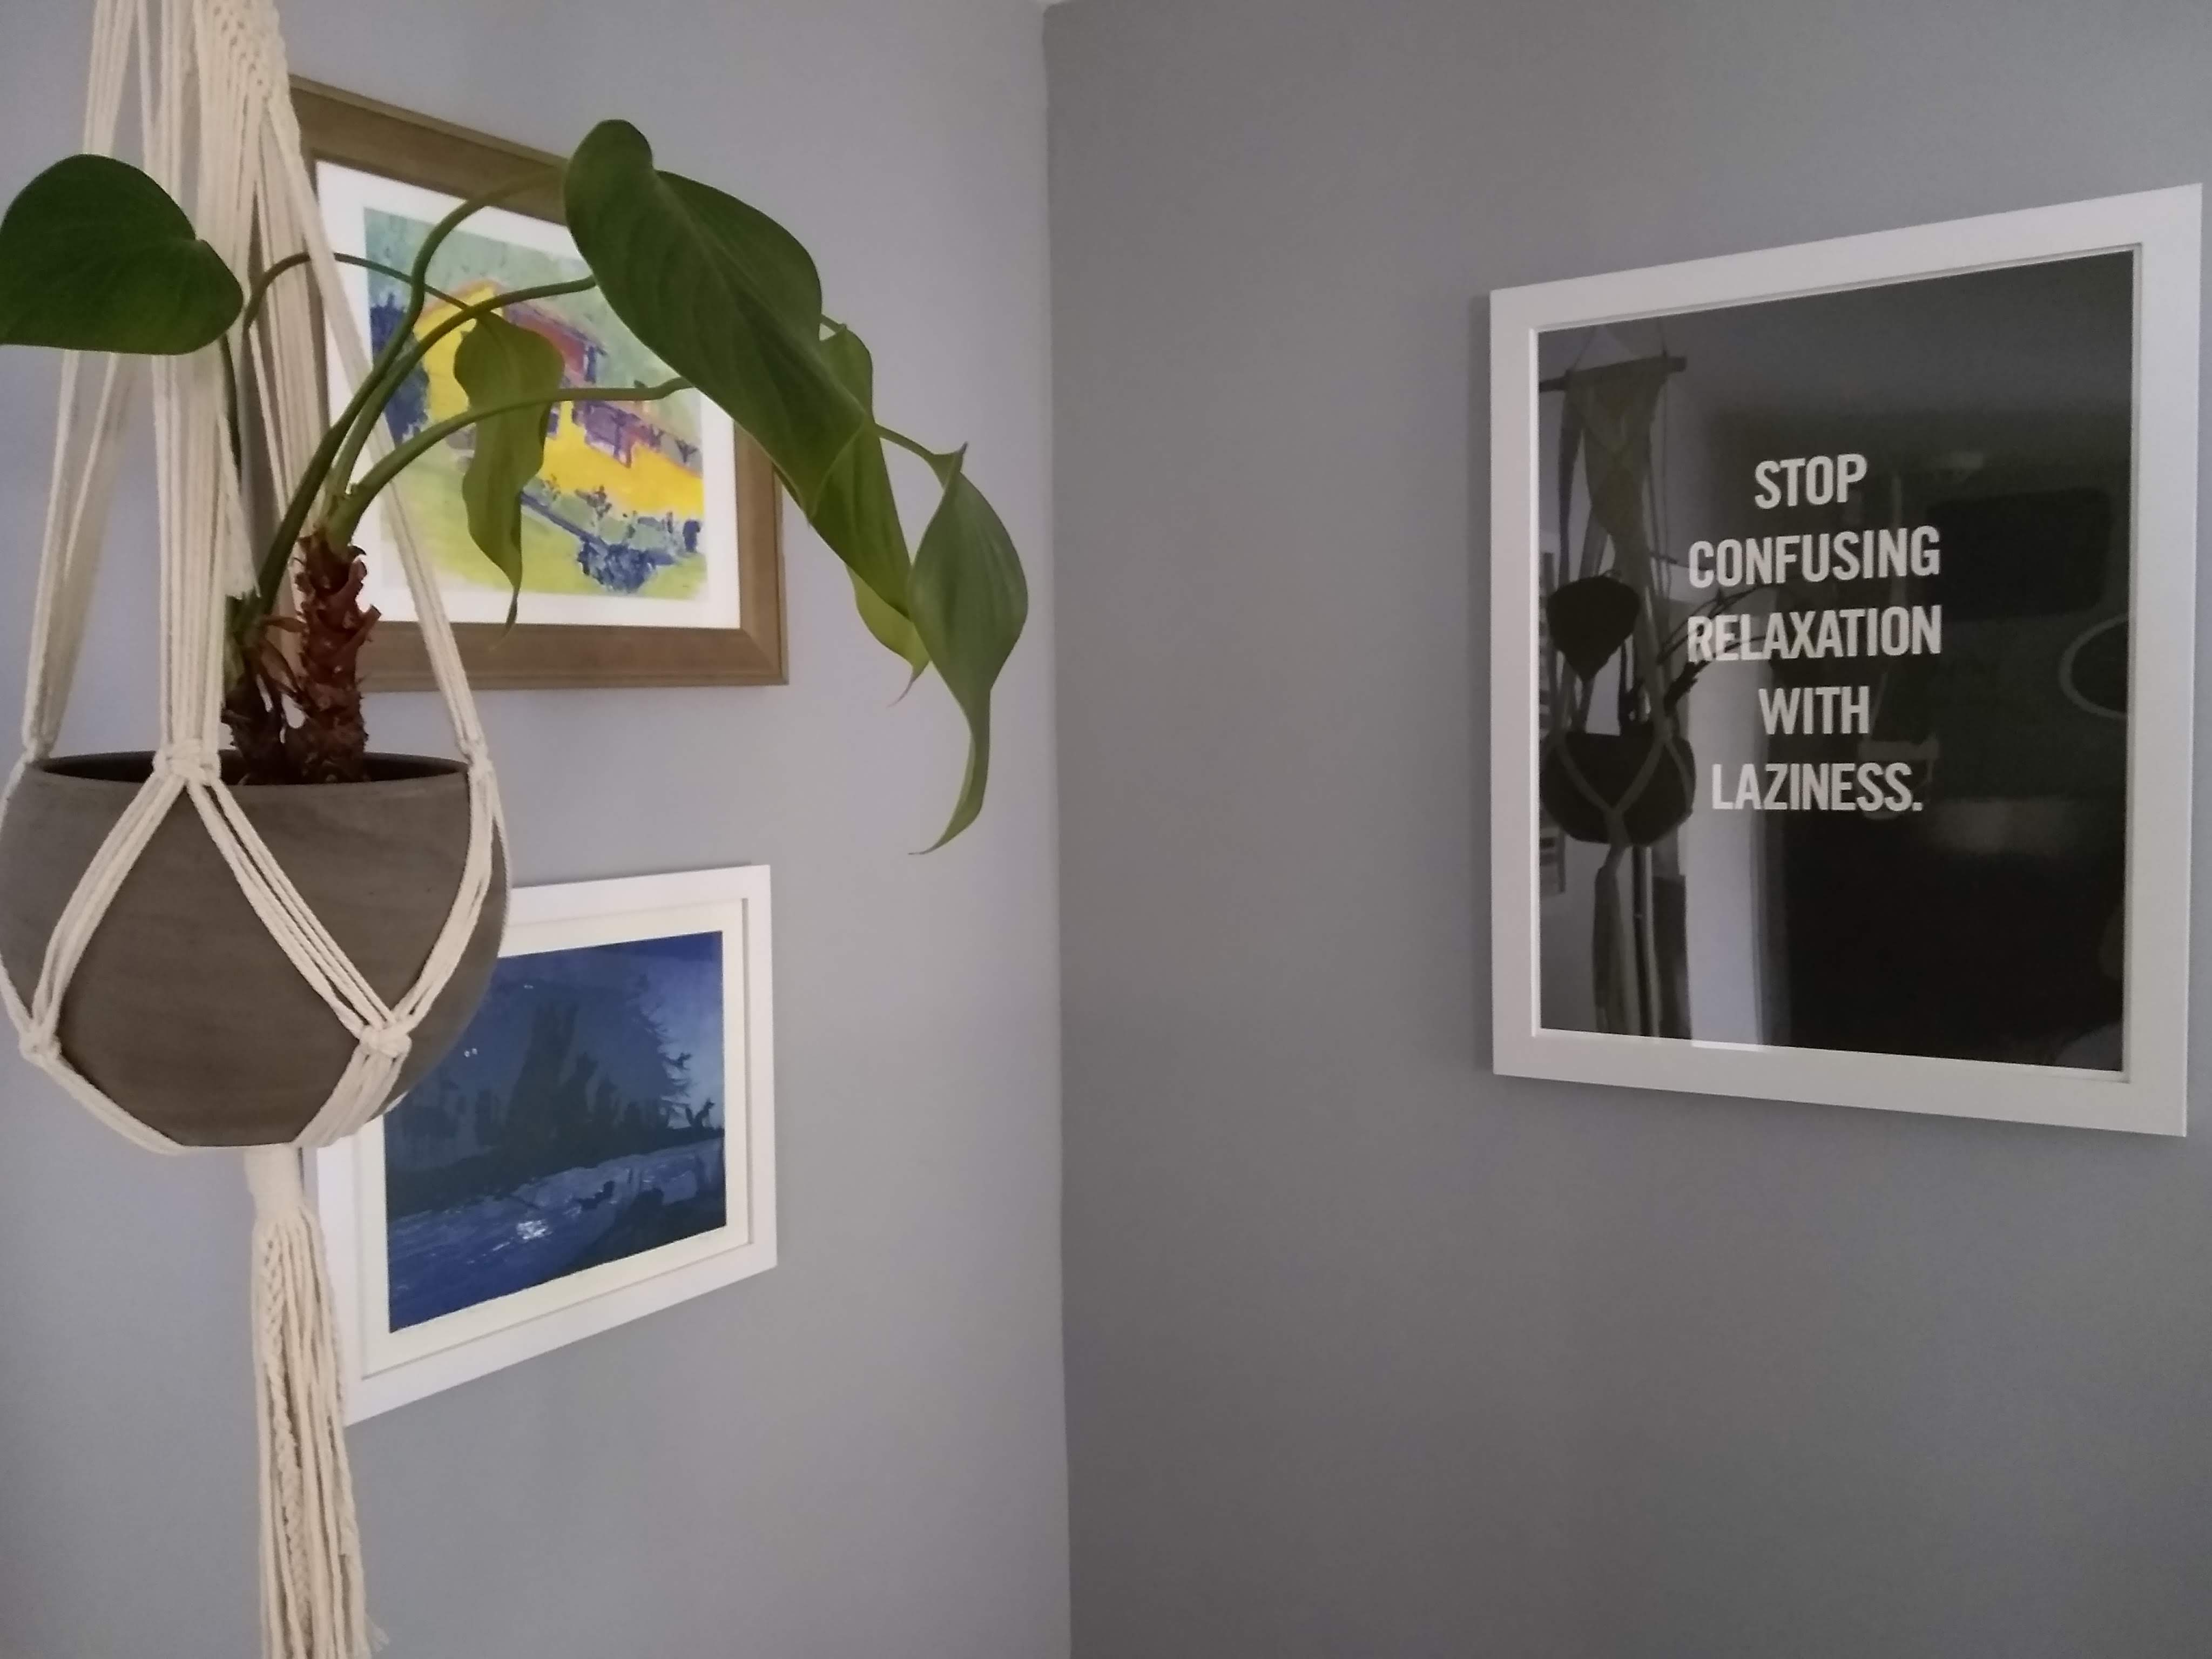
(2148, 1093)
(383, 1367)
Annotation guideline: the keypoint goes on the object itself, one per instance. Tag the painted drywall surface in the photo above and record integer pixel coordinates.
(861, 1452)
(1371, 1353)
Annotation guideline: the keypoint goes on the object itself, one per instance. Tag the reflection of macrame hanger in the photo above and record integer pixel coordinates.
(1559, 382)
(1605, 433)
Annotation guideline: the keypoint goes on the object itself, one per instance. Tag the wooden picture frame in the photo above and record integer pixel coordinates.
(1985, 379)
(345, 130)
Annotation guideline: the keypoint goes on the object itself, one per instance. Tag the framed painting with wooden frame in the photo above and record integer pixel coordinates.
(652, 549)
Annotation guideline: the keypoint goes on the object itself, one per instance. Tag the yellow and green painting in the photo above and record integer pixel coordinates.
(618, 508)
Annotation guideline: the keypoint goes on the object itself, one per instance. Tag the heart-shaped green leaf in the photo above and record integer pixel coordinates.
(498, 362)
(720, 293)
(970, 602)
(94, 256)
(728, 298)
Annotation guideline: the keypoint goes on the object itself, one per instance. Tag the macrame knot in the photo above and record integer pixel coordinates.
(272, 1175)
(42, 1047)
(392, 1041)
(194, 760)
(248, 37)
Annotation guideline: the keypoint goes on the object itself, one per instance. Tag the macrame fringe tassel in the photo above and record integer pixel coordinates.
(312, 1603)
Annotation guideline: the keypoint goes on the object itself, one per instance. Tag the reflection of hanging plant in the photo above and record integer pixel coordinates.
(96, 256)
(1625, 789)
(1622, 788)
(1629, 787)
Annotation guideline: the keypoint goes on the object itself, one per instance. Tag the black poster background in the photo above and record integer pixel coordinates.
(1982, 920)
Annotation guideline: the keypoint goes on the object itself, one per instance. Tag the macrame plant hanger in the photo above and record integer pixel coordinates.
(217, 128)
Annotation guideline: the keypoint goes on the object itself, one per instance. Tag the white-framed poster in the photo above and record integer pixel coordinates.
(599, 1144)
(1843, 620)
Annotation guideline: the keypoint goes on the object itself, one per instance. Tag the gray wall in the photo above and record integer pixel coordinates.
(859, 1453)
(1371, 1353)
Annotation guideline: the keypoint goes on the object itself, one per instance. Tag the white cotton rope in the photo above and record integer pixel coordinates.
(312, 1599)
(217, 129)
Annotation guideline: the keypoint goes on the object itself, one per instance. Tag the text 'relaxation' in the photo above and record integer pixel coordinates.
(1734, 563)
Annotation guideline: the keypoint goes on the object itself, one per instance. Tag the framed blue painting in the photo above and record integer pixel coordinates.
(599, 1145)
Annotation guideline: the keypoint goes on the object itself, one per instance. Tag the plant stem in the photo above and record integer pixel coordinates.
(318, 673)
(940, 465)
(407, 361)
(331, 743)
(230, 405)
(346, 513)
(253, 710)
(259, 291)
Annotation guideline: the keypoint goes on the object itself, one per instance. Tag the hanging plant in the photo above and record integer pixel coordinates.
(262, 945)
(95, 256)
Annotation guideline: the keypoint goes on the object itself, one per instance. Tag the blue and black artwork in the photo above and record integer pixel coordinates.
(579, 1121)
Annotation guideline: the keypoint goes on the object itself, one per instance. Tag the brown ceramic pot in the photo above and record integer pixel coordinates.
(184, 1011)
